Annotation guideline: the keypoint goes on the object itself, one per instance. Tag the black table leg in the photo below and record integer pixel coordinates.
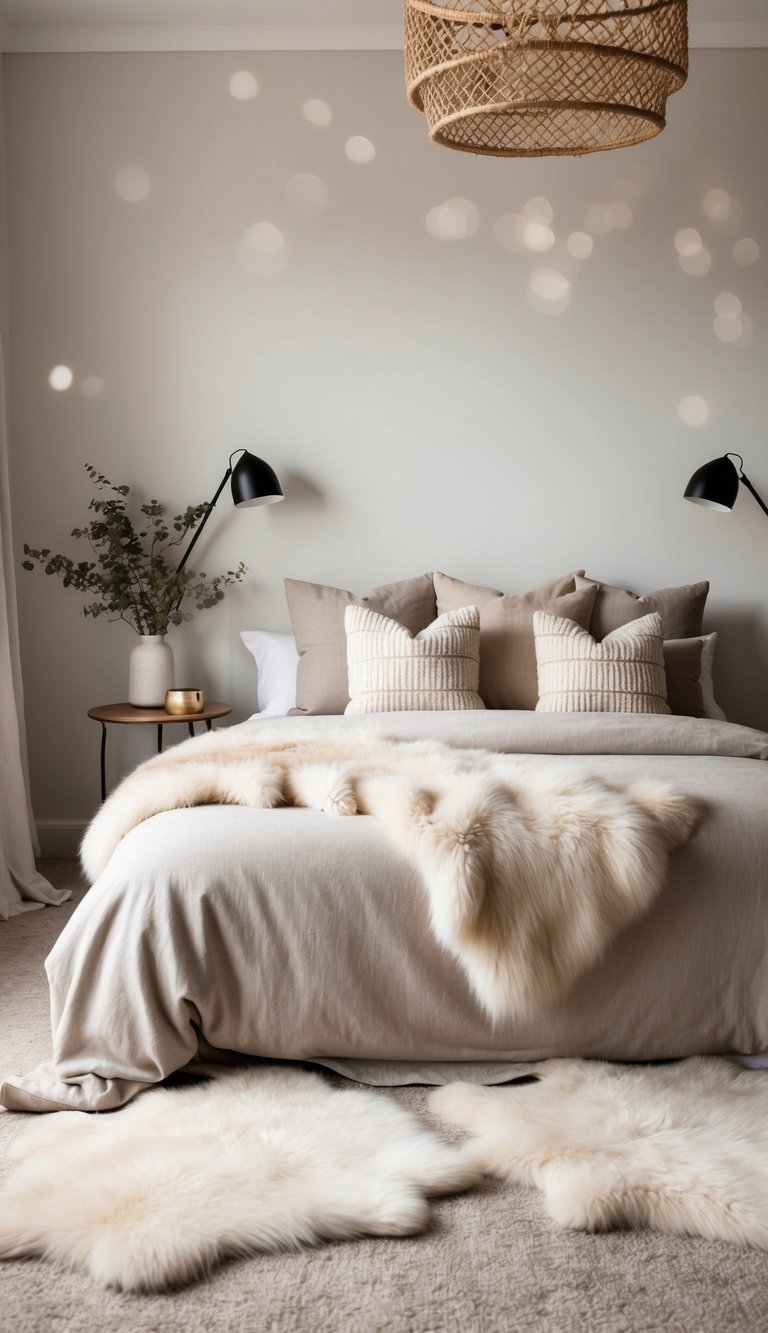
(159, 738)
(191, 726)
(103, 762)
(208, 724)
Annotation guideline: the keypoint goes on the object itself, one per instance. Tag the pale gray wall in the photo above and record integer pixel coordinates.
(419, 411)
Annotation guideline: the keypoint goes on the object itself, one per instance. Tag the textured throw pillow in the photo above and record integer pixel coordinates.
(688, 664)
(391, 670)
(317, 616)
(276, 662)
(681, 609)
(507, 652)
(623, 674)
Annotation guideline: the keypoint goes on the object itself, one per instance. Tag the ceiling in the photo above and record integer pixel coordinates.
(243, 24)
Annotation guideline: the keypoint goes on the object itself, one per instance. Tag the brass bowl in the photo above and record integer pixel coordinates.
(179, 702)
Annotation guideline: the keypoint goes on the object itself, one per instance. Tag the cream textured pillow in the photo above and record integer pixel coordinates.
(391, 670)
(623, 674)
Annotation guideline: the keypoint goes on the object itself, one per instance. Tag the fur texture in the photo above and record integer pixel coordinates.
(154, 1196)
(530, 872)
(680, 1148)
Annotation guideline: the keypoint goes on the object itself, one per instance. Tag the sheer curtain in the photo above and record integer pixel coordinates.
(21, 887)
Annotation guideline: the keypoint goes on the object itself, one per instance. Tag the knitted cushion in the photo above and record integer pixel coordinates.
(391, 670)
(623, 674)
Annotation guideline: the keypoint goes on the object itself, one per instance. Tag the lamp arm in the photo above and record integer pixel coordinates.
(211, 506)
(206, 516)
(751, 488)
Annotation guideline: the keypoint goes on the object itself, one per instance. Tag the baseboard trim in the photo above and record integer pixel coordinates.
(60, 837)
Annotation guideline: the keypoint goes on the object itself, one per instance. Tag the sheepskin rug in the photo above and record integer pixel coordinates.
(153, 1196)
(680, 1148)
(530, 870)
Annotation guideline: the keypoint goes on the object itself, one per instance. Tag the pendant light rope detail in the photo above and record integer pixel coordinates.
(538, 78)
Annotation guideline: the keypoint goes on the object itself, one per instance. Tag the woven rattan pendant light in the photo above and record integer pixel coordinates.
(535, 78)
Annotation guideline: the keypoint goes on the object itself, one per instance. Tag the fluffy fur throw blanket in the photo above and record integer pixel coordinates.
(530, 872)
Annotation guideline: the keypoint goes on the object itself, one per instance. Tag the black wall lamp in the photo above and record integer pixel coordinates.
(253, 483)
(716, 484)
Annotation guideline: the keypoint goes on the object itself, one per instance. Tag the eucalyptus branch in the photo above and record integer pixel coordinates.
(130, 577)
(137, 624)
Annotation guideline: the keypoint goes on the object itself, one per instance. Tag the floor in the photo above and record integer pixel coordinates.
(490, 1263)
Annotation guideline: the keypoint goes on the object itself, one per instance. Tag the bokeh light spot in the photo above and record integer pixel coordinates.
(746, 251)
(716, 204)
(509, 232)
(549, 284)
(243, 85)
(549, 291)
(455, 220)
(728, 305)
(359, 149)
(728, 328)
(262, 249)
(538, 209)
(693, 410)
(723, 211)
(688, 241)
(580, 244)
(538, 236)
(317, 112)
(60, 378)
(696, 265)
(133, 184)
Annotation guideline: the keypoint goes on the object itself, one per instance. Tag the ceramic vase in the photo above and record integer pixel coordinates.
(150, 671)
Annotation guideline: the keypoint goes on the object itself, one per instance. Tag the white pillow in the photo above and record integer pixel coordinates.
(276, 661)
(710, 704)
(392, 670)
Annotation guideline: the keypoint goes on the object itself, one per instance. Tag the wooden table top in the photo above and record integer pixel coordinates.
(129, 713)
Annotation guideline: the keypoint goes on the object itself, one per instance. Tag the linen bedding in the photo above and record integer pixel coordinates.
(288, 934)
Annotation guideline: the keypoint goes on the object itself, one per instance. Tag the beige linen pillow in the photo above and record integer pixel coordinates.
(681, 609)
(507, 651)
(623, 674)
(391, 670)
(317, 616)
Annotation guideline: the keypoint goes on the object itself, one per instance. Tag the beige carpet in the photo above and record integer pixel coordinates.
(491, 1261)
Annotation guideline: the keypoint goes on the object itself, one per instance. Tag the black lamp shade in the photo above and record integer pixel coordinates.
(254, 482)
(716, 485)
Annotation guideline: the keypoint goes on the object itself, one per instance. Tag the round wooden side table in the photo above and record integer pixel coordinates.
(126, 714)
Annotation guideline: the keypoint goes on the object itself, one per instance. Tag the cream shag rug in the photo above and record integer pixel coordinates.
(155, 1195)
(680, 1148)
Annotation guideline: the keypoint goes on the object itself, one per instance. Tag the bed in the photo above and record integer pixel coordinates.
(220, 932)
